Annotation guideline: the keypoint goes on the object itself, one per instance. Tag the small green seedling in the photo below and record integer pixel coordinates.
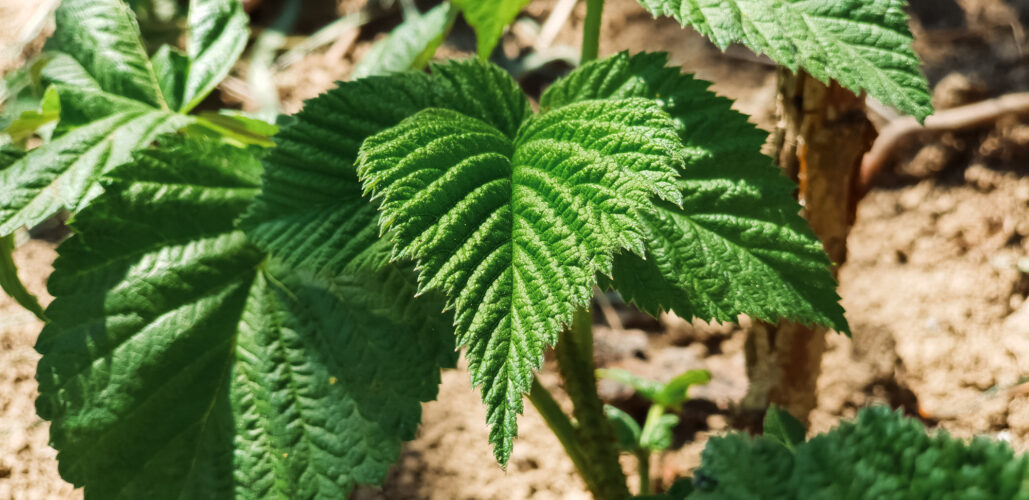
(656, 434)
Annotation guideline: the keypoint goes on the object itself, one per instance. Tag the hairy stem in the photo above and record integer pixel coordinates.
(563, 428)
(591, 31)
(595, 435)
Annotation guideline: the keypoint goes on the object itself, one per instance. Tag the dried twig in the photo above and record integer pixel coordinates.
(552, 26)
(608, 310)
(961, 118)
(336, 33)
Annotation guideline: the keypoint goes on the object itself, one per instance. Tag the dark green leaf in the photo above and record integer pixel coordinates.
(310, 212)
(880, 455)
(60, 68)
(64, 173)
(739, 467)
(172, 67)
(103, 37)
(863, 44)
(79, 107)
(738, 244)
(182, 363)
(217, 35)
(680, 489)
(514, 228)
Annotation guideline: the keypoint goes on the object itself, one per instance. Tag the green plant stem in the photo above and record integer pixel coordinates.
(596, 437)
(562, 427)
(591, 30)
(643, 457)
(654, 415)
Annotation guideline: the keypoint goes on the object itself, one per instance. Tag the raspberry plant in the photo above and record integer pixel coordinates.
(881, 454)
(235, 317)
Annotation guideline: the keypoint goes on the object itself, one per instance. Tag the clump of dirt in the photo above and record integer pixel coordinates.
(934, 290)
(452, 459)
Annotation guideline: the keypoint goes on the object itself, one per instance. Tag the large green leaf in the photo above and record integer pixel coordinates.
(489, 18)
(182, 363)
(63, 174)
(310, 212)
(863, 44)
(514, 228)
(217, 35)
(103, 37)
(738, 244)
(410, 45)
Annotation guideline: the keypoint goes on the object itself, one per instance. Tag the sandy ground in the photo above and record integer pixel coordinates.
(935, 287)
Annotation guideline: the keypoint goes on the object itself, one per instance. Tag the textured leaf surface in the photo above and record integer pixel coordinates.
(79, 107)
(514, 228)
(181, 363)
(171, 66)
(103, 37)
(217, 35)
(58, 67)
(408, 46)
(880, 455)
(863, 44)
(489, 18)
(738, 244)
(310, 212)
(63, 174)
(743, 468)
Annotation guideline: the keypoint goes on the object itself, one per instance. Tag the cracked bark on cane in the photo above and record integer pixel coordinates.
(820, 139)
